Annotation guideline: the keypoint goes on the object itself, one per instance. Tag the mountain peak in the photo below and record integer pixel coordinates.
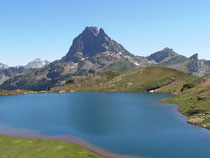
(167, 49)
(3, 66)
(37, 59)
(162, 55)
(194, 64)
(194, 56)
(36, 63)
(91, 42)
(103, 37)
(91, 30)
(101, 31)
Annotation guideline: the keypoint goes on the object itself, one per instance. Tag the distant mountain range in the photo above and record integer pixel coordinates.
(37, 63)
(7, 72)
(91, 52)
(3, 66)
(192, 65)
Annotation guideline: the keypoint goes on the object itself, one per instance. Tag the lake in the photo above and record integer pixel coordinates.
(134, 124)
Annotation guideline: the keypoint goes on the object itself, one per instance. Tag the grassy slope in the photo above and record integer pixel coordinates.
(143, 79)
(12, 147)
(193, 102)
(122, 66)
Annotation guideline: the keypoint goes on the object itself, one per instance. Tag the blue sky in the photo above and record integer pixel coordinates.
(46, 28)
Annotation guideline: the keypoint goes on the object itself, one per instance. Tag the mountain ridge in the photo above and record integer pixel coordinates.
(3, 66)
(36, 63)
(93, 51)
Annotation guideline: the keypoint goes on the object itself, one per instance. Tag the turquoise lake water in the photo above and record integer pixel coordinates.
(135, 124)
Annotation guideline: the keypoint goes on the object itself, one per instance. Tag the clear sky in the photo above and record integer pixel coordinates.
(45, 28)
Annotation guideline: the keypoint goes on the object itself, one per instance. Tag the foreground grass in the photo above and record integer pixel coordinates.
(12, 147)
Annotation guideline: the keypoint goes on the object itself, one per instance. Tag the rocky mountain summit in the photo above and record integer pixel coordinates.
(91, 42)
(192, 65)
(163, 55)
(37, 63)
(3, 66)
(91, 52)
(7, 72)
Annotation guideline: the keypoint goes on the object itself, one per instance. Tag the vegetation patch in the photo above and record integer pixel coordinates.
(12, 147)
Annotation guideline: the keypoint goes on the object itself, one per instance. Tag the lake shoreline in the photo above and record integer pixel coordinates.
(21, 133)
(188, 119)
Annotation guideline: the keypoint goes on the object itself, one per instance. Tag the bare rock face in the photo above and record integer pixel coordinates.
(194, 120)
(162, 55)
(91, 42)
(193, 65)
(128, 85)
(197, 67)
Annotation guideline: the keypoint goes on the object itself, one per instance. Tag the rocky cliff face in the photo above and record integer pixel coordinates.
(163, 55)
(197, 67)
(192, 65)
(92, 42)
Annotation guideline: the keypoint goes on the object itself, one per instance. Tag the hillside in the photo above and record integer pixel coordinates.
(140, 80)
(194, 101)
(192, 65)
(7, 72)
(10, 72)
